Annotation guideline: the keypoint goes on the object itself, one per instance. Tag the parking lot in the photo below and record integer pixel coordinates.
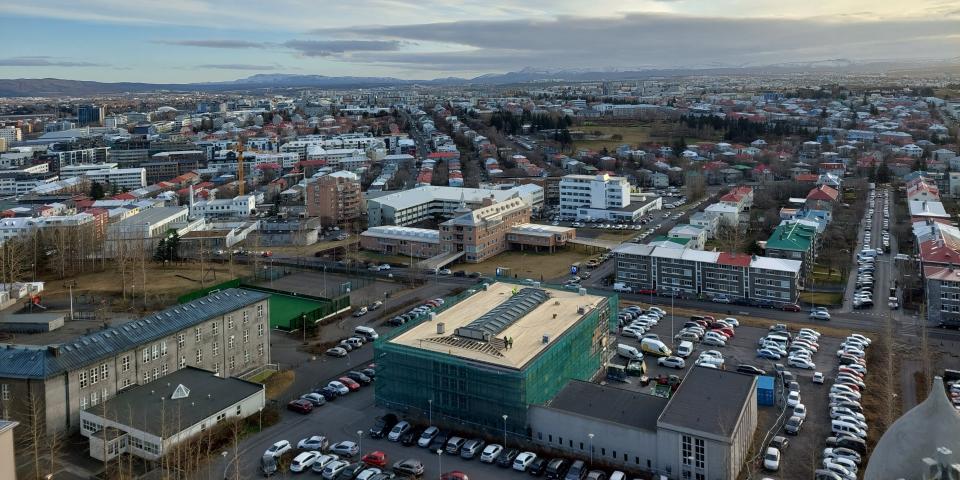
(802, 456)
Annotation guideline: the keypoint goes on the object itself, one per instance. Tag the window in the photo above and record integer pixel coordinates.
(126, 383)
(104, 371)
(216, 368)
(260, 350)
(94, 399)
(156, 373)
(83, 379)
(246, 317)
(83, 402)
(246, 357)
(259, 329)
(94, 376)
(5, 392)
(198, 333)
(183, 361)
(229, 322)
(146, 377)
(230, 342)
(163, 369)
(260, 311)
(163, 349)
(686, 450)
(233, 363)
(146, 355)
(156, 351)
(151, 448)
(89, 426)
(246, 335)
(699, 453)
(221, 416)
(125, 363)
(180, 340)
(238, 410)
(216, 348)
(199, 356)
(103, 394)
(213, 328)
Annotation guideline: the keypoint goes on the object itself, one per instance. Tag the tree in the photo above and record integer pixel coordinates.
(96, 191)
(883, 173)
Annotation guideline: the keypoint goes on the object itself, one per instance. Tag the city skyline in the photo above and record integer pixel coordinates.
(199, 41)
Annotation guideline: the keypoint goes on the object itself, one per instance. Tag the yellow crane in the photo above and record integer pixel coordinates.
(240, 182)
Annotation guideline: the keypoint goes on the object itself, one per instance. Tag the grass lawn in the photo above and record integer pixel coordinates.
(823, 275)
(531, 265)
(616, 235)
(278, 383)
(368, 256)
(632, 135)
(821, 298)
(262, 376)
(309, 250)
(171, 280)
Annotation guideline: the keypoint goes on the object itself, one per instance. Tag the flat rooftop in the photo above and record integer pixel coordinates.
(527, 332)
(612, 404)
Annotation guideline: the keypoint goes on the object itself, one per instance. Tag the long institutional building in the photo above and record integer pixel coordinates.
(413, 206)
(688, 272)
(227, 333)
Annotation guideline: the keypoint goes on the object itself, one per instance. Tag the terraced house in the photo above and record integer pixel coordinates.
(227, 332)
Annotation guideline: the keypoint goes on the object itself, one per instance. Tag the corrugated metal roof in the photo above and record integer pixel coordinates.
(22, 361)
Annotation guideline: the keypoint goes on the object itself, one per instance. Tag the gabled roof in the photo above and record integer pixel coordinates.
(792, 236)
(823, 193)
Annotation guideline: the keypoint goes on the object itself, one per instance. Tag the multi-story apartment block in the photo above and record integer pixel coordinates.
(695, 273)
(336, 198)
(794, 240)
(482, 233)
(593, 196)
(226, 332)
(11, 134)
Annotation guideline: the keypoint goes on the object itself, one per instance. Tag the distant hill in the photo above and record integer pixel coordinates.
(55, 87)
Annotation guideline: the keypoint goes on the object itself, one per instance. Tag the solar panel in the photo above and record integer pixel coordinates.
(500, 317)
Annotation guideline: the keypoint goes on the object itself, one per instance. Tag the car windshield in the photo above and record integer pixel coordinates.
(771, 456)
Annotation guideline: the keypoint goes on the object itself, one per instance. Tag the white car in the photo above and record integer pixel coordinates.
(713, 342)
(820, 315)
(800, 362)
(800, 410)
(369, 472)
(523, 461)
(671, 362)
(304, 461)
(278, 449)
(490, 453)
(817, 378)
(771, 459)
(340, 388)
(323, 461)
(793, 399)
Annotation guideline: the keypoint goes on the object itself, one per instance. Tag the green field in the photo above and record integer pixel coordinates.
(284, 309)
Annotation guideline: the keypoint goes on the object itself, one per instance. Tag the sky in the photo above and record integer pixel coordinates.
(182, 41)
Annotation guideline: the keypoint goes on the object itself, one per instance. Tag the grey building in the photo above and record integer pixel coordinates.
(695, 273)
(703, 432)
(226, 332)
(297, 231)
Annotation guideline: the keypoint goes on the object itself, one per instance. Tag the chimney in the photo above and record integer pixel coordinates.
(441, 328)
(546, 339)
(54, 349)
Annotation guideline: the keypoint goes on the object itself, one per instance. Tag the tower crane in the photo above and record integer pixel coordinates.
(241, 183)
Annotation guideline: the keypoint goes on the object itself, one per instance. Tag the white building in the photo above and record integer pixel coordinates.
(239, 206)
(433, 202)
(129, 178)
(726, 214)
(696, 236)
(11, 134)
(591, 197)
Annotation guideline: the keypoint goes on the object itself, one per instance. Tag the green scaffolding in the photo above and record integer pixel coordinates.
(476, 395)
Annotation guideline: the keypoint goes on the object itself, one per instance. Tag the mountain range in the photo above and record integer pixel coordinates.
(55, 87)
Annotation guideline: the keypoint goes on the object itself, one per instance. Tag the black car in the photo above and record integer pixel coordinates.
(328, 393)
(506, 458)
(369, 372)
(577, 471)
(411, 437)
(351, 471)
(848, 441)
(410, 467)
(383, 425)
(439, 442)
(268, 465)
(359, 378)
(751, 370)
(557, 468)
(537, 467)
(383, 476)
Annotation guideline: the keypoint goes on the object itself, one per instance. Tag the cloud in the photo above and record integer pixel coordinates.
(226, 44)
(45, 61)
(237, 66)
(652, 40)
(327, 48)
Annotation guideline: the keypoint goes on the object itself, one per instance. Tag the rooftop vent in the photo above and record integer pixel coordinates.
(441, 328)
(180, 392)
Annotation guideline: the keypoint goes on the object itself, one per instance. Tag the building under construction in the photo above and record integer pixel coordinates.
(494, 353)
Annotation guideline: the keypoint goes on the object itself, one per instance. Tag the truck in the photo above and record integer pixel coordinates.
(621, 287)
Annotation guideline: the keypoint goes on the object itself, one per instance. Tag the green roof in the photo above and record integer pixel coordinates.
(793, 236)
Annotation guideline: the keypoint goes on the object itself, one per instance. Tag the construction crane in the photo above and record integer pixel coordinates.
(240, 181)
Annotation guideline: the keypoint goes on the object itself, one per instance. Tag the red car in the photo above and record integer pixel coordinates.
(643, 291)
(454, 475)
(376, 459)
(300, 406)
(350, 383)
(791, 307)
(725, 330)
(709, 318)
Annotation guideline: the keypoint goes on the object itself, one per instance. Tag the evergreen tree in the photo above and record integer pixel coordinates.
(96, 191)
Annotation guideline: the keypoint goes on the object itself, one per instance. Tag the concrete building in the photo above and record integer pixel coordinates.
(675, 437)
(8, 465)
(405, 241)
(241, 206)
(420, 204)
(482, 361)
(226, 332)
(794, 240)
(90, 115)
(593, 196)
(695, 273)
(696, 236)
(708, 223)
(121, 178)
(727, 215)
(11, 135)
(277, 232)
(337, 198)
(144, 229)
(482, 233)
(740, 197)
(180, 405)
(540, 237)
(166, 165)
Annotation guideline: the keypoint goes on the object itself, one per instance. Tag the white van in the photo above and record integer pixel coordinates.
(628, 352)
(655, 347)
(847, 428)
(685, 349)
(366, 332)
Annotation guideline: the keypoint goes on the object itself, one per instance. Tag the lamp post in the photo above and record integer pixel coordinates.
(225, 464)
(260, 411)
(591, 448)
(360, 441)
(505, 430)
(440, 462)
(430, 402)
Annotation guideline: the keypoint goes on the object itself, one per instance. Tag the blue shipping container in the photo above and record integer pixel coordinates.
(765, 391)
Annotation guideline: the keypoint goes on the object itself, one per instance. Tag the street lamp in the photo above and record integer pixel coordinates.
(591, 448)
(505, 430)
(260, 411)
(440, 461)
(225, 463)
(360, 441)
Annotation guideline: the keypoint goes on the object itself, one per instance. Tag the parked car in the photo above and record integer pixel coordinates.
(771, 459)
(300, 406)
(337, 352)
(316, 442)
(345, 448)
(278, 449)
(523, 460)
(376, 458)
(314, 398)
(398, 430)
(793, 425)
(506, 458)
(409, 467)
(427, 436)
(490, 453)
(471, 448)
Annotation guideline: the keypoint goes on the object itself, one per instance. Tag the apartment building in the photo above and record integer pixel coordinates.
(740, 197)
(419, 204)
(482, 233)
(11, 134)
(226, 332)
(593, 196)
(796, 241)
(695, 273)
(166, 165)
(241, 206)
(337, 198)
(122, 178)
